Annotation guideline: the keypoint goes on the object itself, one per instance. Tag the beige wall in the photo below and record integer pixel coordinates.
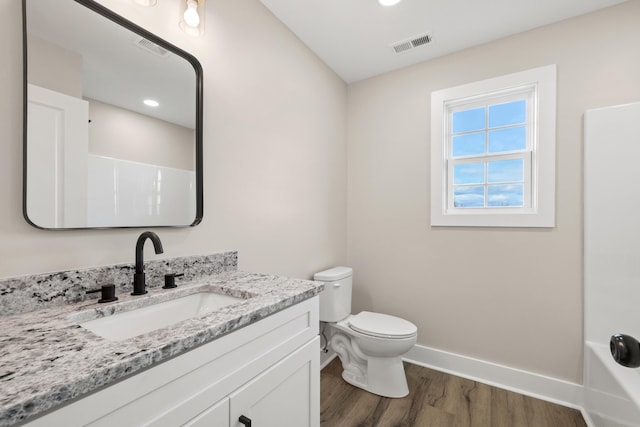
(127, 135)
(509, 296)
(274, 151)
(54, 67)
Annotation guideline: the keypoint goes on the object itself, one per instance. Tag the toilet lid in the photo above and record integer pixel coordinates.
(382, 325)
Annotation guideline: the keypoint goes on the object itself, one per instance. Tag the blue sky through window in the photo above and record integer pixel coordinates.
(469, 120)
(508, 139)
(468, 144)
(509, 113)
(471, 196)
(469, 173)
(506, 171)
(505, 195)
(492, 129)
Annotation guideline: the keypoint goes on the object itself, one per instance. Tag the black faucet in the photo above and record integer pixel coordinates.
(139, 286)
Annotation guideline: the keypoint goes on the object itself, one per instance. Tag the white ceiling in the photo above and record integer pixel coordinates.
(116, 70)
(354, 36)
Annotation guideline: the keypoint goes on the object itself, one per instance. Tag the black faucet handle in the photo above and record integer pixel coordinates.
(170, 280)
(108, 293)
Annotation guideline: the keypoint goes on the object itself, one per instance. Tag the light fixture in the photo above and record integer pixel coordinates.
(151, 103)
(146, 2)
(192, 18)
(388, 2)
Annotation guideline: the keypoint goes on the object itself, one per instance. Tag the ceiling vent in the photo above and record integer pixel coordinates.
(412, 43)
(151, 47)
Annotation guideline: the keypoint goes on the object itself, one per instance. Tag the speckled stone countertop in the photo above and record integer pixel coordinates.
(47, 359)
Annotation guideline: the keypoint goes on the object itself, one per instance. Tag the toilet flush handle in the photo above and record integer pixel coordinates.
(337, 285)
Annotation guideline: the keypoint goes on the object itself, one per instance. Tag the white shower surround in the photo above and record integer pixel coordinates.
(611, 262)
(123, 193)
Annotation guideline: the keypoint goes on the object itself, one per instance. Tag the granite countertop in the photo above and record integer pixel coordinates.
(46, 359)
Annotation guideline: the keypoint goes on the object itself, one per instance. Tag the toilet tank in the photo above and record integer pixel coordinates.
(335, 299)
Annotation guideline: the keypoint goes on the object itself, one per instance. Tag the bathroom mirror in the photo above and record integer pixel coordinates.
(112, 122)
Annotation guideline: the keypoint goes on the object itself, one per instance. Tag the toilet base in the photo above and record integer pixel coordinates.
(385, 377)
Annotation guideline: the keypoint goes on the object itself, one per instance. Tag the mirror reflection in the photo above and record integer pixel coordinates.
(113, 122)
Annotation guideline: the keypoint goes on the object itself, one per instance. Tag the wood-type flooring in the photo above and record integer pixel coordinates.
(436, 399)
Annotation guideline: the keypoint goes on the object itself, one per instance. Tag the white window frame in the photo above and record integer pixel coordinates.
(539, 156)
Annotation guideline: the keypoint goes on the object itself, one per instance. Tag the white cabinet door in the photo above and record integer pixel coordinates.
(287, 394)
(216, 416)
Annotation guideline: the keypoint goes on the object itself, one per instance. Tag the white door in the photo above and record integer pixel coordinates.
(57, 148)
(287, 394)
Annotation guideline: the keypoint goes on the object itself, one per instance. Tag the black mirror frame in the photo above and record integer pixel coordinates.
(114, 17)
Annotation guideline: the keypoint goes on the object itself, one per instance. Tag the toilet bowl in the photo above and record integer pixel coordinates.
(369, 345)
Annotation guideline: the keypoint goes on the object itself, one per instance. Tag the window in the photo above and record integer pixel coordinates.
(489, 147)
(493, 152)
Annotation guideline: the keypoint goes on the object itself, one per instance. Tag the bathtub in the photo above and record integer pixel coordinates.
(611, 391)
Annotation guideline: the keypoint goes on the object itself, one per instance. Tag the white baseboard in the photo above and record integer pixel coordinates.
(530, 384)
(326, 358)
(587, 418)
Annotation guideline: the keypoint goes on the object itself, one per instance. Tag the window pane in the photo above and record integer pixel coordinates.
(468, 196)
(468, 120)
(510, 113)
(468, 144)
(506, 195)
(510, 139)
(470, 173)
(506, 171)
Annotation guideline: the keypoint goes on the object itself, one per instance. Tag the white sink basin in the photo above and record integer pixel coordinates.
(142, 320)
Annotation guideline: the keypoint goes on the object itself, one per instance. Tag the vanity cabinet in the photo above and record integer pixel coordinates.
(267, 372)
(280, 396)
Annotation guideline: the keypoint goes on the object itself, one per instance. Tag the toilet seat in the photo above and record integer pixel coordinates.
(382, 325)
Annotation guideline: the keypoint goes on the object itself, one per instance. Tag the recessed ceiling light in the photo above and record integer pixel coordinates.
(151, 103)
(388, 2)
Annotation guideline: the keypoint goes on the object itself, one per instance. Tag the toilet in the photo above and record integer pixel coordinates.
(370, 345)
